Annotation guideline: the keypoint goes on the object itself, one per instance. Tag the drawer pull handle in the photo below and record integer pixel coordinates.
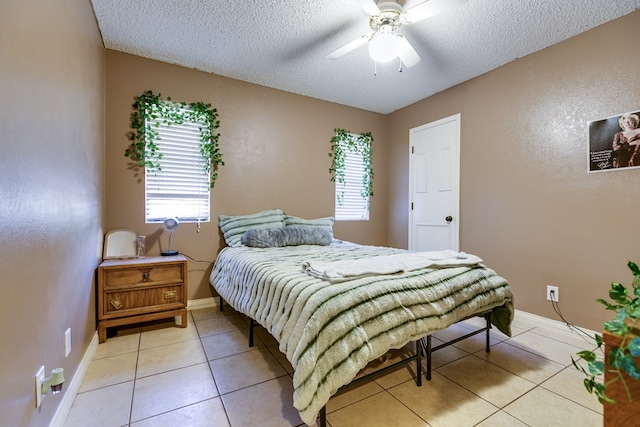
(116, 303)
(169, 294)
(145, 276)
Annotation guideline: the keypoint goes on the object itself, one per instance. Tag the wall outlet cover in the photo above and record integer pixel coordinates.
(67, 342)
(39, 381)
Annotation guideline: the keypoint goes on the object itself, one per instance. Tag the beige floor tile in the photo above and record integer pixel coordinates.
(470, 345)
(281, 358)
(475, 323)
(353, 394)
(209, 413)
(205, 313)
(162, 359)
(492, 383)
(501, 419)
(443, 403)
(229, 343)
(264, 336)
(542, 408)
(167, 332)
(245, 369)
(117, 345)
(567, 335)
(270, 404)
(546, 346)
(396, 376)
(379, 410)
(568, 383)
(164, 392)
(528, 365)
(220, 324)
(109, 371)
(104, 407)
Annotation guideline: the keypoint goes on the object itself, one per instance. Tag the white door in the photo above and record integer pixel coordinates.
(434, 185)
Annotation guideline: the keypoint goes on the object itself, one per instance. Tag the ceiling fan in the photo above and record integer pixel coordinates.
(385, 18)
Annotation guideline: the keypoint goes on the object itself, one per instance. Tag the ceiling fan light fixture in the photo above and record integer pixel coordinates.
(384, 47)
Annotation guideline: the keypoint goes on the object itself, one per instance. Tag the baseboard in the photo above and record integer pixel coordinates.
(73, 386)
(556, 324)
(195, 304)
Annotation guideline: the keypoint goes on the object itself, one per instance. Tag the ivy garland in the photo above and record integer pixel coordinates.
(341, 143)
(150, 111)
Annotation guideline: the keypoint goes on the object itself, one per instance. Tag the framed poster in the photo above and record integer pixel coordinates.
(614, 143)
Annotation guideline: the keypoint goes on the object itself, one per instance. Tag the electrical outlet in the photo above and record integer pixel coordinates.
(67, 342)
(553, 294)
(39, 381)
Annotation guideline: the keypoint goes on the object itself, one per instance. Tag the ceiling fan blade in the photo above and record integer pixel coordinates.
(407, 53)
(349, 47)
(370, 7)
(429, 8)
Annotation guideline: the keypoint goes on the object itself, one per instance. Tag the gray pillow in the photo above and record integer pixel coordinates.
(286, 236)
(234, 226)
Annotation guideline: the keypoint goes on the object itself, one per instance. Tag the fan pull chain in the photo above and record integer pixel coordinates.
(399, 65)
(375, 68)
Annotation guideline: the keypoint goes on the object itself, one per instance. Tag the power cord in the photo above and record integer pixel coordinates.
(556, 308)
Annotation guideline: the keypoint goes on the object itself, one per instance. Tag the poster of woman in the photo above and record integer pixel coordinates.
(614, 142)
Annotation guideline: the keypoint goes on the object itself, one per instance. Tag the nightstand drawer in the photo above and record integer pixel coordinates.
(142, 300)
(143, 276)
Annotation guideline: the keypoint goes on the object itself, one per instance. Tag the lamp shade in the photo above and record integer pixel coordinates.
(384, 47)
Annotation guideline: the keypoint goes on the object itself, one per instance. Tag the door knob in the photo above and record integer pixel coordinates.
(449, 218)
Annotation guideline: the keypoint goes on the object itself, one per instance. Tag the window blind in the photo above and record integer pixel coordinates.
(353, 206)
(181, 187)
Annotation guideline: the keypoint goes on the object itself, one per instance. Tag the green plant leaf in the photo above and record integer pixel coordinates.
(596, 368)
(587, 355)
(634, 347)
(150, 112)
(342, 142)
(618, 293)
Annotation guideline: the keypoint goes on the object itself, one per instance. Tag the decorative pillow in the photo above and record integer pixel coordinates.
(233, 227)
(323, 223)
(286, 236)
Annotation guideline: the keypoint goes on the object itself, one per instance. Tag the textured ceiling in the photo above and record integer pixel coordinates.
(283, 44)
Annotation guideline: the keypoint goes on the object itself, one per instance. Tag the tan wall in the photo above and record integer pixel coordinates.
(528, 207)
(275, 147)
(51, 195)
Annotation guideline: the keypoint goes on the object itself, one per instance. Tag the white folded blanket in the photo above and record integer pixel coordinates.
(340, 271)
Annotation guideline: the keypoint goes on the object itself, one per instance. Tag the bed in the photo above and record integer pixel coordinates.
(330, 321)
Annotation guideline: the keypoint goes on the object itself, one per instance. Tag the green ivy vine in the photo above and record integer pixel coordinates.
(341, 143)
(150, 111)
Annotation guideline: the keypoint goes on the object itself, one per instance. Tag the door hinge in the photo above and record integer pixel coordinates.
(411, 205)
(412, 149)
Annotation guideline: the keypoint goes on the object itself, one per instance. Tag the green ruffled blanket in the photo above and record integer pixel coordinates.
(329, 332)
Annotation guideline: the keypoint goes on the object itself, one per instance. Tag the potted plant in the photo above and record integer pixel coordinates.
(621, 341)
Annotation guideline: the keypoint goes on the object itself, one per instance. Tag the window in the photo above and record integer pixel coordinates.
(180, 187)
(352, 174)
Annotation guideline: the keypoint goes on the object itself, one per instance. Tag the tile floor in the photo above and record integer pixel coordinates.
(206, 375)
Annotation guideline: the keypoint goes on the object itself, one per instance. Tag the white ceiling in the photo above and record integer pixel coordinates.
(283, 44)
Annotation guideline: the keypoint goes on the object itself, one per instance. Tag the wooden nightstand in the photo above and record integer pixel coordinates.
(141, 289)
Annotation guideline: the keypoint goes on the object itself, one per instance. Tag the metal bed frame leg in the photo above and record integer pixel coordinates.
(322, 416)
(487, 318)
(221, 304)
(251, 324)
(428, 351)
